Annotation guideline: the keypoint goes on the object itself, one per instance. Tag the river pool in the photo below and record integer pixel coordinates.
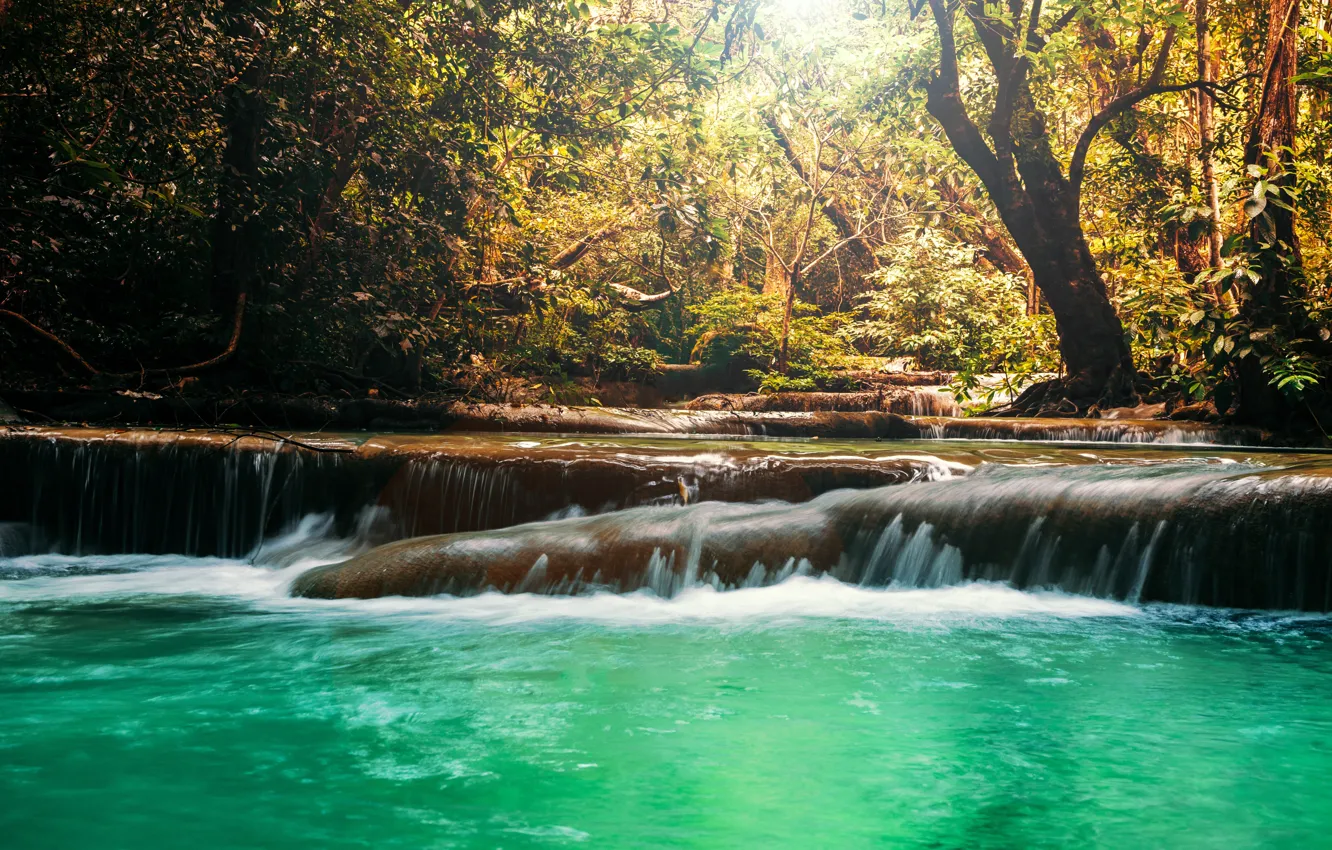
(172, 702)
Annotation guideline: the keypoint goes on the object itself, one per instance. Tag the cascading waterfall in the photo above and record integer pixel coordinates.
(1222, 534)
(480, 491)
(167, 495)
(196, 493)
(937, 427)
(1227, 528)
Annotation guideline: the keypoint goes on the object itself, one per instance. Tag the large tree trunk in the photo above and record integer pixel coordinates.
(1271, 138)
(237, 236)
(1039, 207)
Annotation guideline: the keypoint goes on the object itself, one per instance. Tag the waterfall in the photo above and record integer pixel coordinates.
(173, 493)
(86, 491)
(568, 515)
(1223, 534)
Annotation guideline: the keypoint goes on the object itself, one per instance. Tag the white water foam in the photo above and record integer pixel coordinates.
(797, 598)
(144, 575)
(264, 575)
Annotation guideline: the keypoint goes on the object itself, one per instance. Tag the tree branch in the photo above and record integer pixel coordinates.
(944, 102)
(578, 249)
(1076, 169)
(1121, 104)
(226, 354)
(53, 339)
(637, 298)
(1063, 21)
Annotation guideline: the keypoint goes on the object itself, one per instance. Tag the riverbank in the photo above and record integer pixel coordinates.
(312, 414)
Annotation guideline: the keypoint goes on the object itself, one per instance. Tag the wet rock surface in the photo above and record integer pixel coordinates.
(1230, 527)
(85, 490)
(625, 550)
(1224, 535)
(382, 415)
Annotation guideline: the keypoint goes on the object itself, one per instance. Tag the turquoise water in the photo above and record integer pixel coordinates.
(163, 702)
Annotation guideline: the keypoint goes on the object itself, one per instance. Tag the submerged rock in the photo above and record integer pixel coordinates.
(636, 548)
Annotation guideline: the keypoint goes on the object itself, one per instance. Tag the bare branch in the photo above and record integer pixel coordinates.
(53, 339)
(1063, 21)
(236, 327)
(636, 298)
(579, 248)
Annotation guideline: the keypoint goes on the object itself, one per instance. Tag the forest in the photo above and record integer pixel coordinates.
(1103, 202)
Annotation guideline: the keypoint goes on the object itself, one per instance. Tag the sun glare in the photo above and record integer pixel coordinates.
(807, 10)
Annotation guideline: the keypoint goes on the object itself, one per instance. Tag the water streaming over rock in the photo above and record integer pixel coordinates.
(1222, 534)
(149, 492)
(84, 491)
(457, 491)
(553, 515)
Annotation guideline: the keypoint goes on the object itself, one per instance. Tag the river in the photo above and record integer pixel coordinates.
(156, 699)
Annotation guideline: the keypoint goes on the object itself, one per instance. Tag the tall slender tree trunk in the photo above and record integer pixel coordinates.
(237, 237)
(792, 284)
(1272, 133)
(775, 278)
(1271, 139)
(1207, 73)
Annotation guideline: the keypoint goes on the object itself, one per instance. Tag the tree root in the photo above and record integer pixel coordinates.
(1067, 398)
(53, 339)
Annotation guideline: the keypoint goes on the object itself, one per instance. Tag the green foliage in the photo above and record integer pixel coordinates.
(745, 325)
(931, 302)
(574, 332)
(419, 179)
(1192, 334)
(382, 144)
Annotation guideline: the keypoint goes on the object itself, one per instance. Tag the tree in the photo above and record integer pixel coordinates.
(1039, 204)
(238, 236)
(1206, 130)
(788, 240)
(358, 194)
(1270, 299)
